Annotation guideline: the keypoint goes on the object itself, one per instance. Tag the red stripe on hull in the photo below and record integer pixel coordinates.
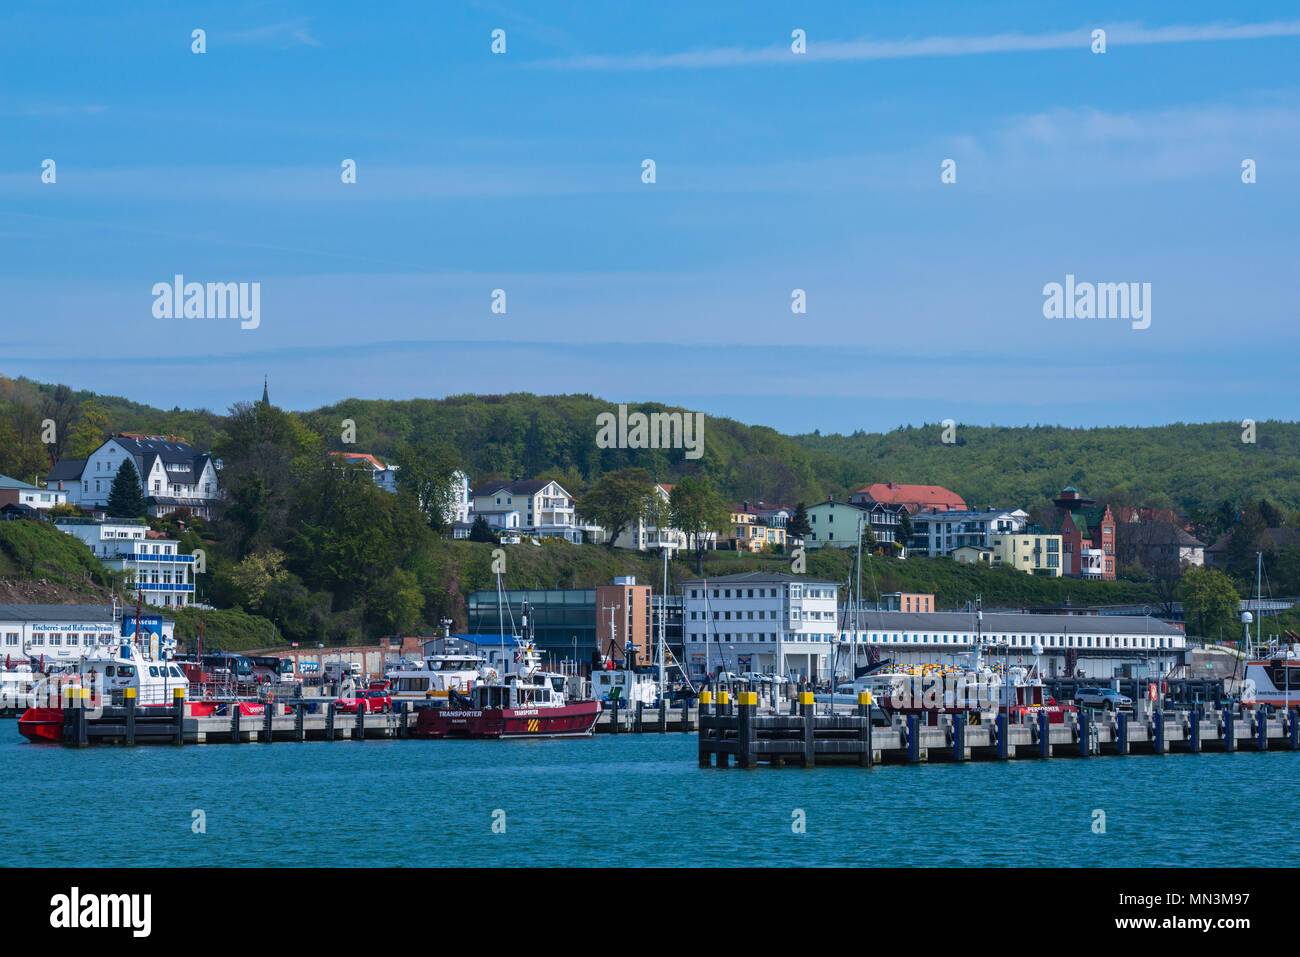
(570, 720)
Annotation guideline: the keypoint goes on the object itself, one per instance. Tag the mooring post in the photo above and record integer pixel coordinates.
(1229, 730)
(403, 728)
(359, 734)
(83, 718)
(1293, 728)
(747, 728)
(705, 721)
(1003, 729)
(640, 716)
(809, 713)
(686, 714)
(865, 754)
(234, 722)
(69, 717)
(913, 738)
(329, 721)
(1044, 735)
(663, 712)
(1158, 741)
(130, 715)
(1085, 734)
(178, 700)
(268, 715)
(299, 722)
(959, 736)
(1121, 732)
(1194, 732)
(1261, 730)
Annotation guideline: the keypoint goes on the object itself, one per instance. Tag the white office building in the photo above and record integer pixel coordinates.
(771, 623)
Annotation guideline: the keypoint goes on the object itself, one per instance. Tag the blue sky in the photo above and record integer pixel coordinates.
(775, 171)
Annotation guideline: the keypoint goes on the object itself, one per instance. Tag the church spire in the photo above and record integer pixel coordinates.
(266, 398)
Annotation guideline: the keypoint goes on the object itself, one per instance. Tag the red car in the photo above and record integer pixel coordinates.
(371, 702)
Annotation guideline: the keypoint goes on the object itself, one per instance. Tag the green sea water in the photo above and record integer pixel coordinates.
(629, 801)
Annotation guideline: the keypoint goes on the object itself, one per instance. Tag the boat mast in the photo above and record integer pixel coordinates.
(1259, 594)
(501, 623)
(663, 614)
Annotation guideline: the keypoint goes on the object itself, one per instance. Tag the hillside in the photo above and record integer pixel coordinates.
(40, 564)
(1184, 466)
(1178, 466)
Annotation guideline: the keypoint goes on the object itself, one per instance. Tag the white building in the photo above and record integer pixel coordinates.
(940, 533)
(383, 474)
(772, 623)
(156, 564)
(1101, 646)
(15, 492)
(61, 634)
(173, 474)
(534, 508)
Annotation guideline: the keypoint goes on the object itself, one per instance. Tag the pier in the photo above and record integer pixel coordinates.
(735, 731)
(302, 719)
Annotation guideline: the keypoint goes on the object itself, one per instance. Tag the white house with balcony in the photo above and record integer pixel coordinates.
(766, 622)
(156, 565)
(942, 533)
(536, 508)
(173, 474)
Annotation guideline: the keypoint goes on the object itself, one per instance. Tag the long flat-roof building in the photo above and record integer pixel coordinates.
(1097, 646)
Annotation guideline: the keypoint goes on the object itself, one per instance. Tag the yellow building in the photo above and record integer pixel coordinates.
(1030, 550)
(749, 533)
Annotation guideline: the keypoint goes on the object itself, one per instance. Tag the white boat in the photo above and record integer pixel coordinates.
(626, 685)
(1273, 679)
(16, 682)
(438, 675)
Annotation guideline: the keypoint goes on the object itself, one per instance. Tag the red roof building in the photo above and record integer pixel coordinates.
(915, 498)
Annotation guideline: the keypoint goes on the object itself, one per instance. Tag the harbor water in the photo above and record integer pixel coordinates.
(626, 801)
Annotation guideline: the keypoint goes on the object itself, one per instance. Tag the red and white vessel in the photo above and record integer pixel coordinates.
(528, 703)
(106, 672)
(1273, 679)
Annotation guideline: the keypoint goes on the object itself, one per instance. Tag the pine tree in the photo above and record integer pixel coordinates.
(798, 525)
(480, 531)
(126, 498)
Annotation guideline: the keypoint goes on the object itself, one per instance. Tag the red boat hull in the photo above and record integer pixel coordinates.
(570, 720)
(42, 724)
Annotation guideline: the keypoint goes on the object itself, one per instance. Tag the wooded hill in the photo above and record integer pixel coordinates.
(1182, 466)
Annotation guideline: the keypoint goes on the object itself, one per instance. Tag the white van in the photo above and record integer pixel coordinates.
(334, 670)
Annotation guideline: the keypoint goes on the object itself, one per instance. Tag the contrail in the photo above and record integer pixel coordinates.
(1123, 34)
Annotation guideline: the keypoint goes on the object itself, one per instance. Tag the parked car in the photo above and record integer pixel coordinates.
(368, 702)
(1106, 698)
